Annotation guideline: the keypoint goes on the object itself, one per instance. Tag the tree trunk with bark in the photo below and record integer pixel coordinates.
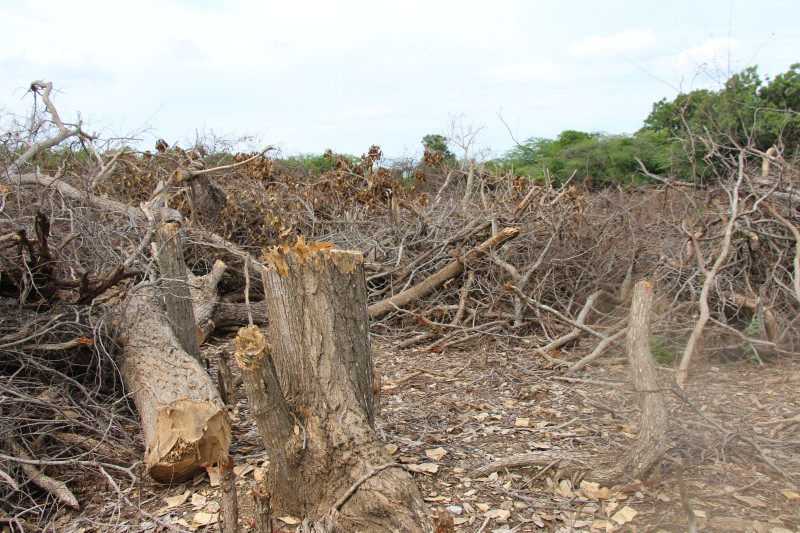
(651, 443)
(184, 422)
(312, 395)
(172, 267)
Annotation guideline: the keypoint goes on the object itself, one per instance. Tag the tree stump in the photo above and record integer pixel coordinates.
(315, 395)
(651, 443)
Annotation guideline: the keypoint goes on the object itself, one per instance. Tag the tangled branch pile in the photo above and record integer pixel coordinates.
(724, 258)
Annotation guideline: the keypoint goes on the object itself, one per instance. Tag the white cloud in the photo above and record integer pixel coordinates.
(633, 41)
(714, 53)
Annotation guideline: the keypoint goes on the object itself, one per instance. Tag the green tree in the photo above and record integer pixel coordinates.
(437, 142)
(746, 111)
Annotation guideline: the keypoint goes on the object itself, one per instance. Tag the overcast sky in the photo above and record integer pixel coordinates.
(306, 76)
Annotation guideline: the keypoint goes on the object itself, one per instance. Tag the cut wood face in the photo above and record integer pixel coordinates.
(188, 437)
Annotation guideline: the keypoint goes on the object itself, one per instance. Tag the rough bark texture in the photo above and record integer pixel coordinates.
(225, 386)
(176, 290)
(261, 509)
(322, 358)
(184, 422)
(651, 442)
(229, 509)
(205, 298)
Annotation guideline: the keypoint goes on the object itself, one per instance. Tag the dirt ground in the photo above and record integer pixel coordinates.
(445, 414)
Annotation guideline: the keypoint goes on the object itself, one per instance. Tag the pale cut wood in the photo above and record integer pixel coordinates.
(184, 421)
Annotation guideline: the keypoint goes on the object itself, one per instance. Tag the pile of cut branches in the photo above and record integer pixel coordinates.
(455, 257)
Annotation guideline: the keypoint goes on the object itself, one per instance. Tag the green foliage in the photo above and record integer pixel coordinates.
(596, 159)
(437, 142)
(664, 351)
(745, 111)
(315, 164)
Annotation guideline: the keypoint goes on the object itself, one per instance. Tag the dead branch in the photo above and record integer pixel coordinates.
(598, 351)
(55, 487)
(651, 442)
(536, 305)
(434, 281)
(702, 320)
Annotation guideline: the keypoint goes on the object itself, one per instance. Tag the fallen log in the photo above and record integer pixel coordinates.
(184, 421)
(434, 281)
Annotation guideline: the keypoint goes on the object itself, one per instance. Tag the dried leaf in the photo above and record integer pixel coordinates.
(175, 501)
(790, 494)
(564, 489)
(624, 515)
(436, 453)
(290, 520)
(594, 491)
(750, 500)
(391, 448)
(522, 422)
(203, 518)
(483, 506)
(198, 500)
(424, 468)
(242, 470)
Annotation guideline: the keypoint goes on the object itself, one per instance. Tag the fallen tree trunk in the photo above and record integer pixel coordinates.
(184, 422)
(434, 281)
(312, 395)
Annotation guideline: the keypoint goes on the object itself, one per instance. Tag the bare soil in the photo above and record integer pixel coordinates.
(445, 414)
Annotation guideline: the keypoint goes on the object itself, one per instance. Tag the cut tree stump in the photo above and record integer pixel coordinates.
(312, 395)
(184, 422)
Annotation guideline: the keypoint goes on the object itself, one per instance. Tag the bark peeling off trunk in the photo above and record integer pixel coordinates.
(322, 362)
(184, 422)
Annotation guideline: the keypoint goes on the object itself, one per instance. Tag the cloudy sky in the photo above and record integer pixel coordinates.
(310, 75)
